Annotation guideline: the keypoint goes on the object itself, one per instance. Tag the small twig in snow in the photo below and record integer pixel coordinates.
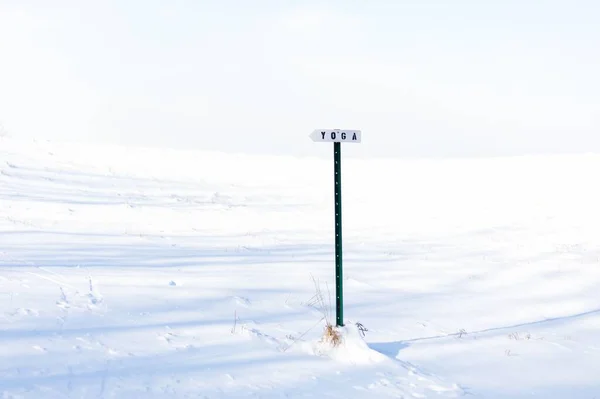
(234, 321)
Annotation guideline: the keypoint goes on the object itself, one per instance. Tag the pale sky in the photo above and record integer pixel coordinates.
(420, 78)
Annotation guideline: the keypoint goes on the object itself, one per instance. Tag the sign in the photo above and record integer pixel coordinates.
(336, 136)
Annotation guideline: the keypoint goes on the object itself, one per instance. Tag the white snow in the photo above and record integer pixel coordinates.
(146, 273)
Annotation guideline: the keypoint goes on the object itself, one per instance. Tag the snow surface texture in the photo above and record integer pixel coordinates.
(138, 273)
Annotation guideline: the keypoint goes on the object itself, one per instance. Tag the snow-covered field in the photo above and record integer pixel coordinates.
(138, 273)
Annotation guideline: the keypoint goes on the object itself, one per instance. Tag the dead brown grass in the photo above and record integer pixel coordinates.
(332, 336)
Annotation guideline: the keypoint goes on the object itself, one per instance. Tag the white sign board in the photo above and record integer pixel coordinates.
(336, 136)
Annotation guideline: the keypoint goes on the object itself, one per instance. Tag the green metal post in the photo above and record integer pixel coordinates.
(339, 293)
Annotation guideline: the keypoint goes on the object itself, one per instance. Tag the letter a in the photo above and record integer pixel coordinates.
(354, 137)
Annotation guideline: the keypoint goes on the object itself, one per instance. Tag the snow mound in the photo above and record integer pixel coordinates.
(351, 349)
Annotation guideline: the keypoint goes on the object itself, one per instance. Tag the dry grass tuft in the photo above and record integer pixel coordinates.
(332, 336)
